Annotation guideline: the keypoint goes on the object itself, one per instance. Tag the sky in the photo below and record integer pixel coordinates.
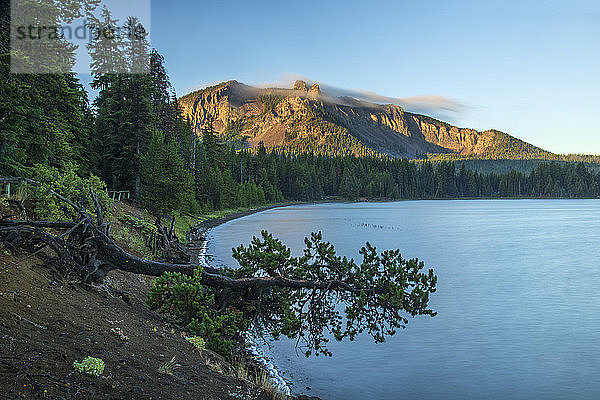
(528, 68)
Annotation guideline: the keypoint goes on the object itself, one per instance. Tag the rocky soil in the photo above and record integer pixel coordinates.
(46, 325)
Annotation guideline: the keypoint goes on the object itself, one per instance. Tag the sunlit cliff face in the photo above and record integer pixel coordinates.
(308, 118)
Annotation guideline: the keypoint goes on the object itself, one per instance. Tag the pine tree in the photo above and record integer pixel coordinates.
(166, 184)
(42, 116)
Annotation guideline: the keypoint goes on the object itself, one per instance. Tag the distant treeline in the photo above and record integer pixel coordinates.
(513, 161)
(309, 177)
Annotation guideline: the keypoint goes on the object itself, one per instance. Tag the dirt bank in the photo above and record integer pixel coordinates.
(46, 325)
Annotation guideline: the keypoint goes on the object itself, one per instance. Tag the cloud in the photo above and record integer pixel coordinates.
(432, 105)
(441, 107)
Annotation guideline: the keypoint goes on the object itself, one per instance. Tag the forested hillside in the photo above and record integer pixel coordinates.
(143, 144)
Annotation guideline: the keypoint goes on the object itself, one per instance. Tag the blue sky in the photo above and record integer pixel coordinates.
(529, 68)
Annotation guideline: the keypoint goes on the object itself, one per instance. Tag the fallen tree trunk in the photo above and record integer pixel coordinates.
(85, 248)
(89, 252)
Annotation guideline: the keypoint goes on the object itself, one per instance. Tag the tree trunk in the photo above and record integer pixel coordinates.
(85, 249)
(137, 173)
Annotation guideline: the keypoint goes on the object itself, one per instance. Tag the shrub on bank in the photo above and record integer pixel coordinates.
(67, 183)
(193, 305)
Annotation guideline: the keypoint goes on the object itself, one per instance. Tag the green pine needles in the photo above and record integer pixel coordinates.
(194, 306)
(197, 342)
(311, 298)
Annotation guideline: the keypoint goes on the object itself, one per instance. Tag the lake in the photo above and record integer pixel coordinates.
(518, 298)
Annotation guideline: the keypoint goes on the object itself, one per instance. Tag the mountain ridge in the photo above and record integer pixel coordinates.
(303, 119)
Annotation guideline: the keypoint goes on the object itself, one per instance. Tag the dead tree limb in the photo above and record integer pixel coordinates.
(278, 293)
(93, 254)
(86, 249)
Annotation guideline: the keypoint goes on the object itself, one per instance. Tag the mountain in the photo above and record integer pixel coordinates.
(303, 119)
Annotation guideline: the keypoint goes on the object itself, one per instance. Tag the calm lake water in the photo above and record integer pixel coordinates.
(518, 298)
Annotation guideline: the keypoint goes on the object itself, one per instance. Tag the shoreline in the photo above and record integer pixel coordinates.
(214, 222)
(198, 235)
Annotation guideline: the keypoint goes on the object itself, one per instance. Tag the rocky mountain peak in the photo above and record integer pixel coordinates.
(314, 91)
(300, 85)
(307, 119)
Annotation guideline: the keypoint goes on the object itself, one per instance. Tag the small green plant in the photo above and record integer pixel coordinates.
(90, 365)
(197, 341)
(168, 367)
(241, 372)
(3, 250)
